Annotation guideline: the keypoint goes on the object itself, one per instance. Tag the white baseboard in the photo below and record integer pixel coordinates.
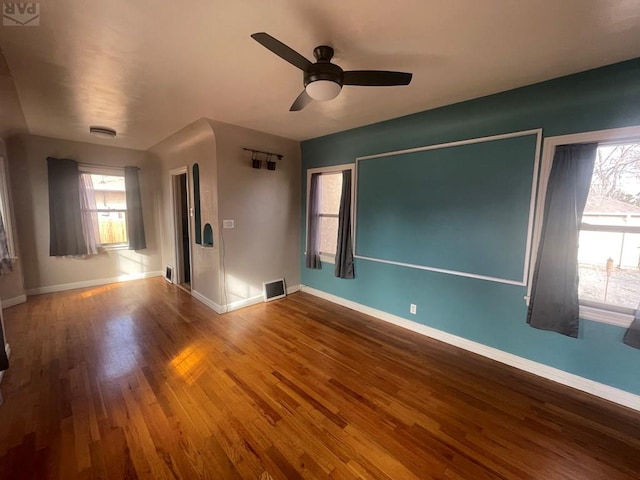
(91, 283)
(592, 387)
(246, 302)
(254, 300)
(209, 303)
(10, 302)
(229, 307)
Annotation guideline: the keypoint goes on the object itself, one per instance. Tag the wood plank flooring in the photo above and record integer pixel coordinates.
(138, 380)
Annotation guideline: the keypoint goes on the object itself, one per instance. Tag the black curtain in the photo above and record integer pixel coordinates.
(632, 337)
(554, 296)
(313, 223)
(344, 249)
(135, 221)
(65, 217)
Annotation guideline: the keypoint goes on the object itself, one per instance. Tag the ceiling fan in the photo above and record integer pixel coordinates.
(323, 80)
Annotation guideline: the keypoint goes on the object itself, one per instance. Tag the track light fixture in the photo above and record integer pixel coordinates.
(269, 157)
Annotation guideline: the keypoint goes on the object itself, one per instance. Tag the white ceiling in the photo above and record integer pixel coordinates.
(149, 67)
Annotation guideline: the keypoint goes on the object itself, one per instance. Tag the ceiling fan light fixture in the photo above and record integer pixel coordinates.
(323, 90)
(102, 132)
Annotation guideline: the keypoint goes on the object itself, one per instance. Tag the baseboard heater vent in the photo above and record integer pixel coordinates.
(168, 274)
(274, 289)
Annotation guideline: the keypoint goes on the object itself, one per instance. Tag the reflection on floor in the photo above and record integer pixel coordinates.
(140, 380)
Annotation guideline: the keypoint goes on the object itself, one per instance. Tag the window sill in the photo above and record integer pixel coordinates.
(605, 316)
(327, 258)
(110, 248)
(324, 258)
(600, 315)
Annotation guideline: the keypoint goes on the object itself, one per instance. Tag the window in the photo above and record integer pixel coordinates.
(108, 204)
(4, 207)
(609, 242)
(609, 246)
(330, 184)
(330, 191)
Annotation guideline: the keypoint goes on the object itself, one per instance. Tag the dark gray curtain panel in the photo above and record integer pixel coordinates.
(344, 249)
(632, 337)
(313, 223)
(554, 296)
(135, 221)
(65, 217)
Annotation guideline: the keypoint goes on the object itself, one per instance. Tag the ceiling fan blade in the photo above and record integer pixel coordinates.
(283, 51)
(376, 78)
(300, 102)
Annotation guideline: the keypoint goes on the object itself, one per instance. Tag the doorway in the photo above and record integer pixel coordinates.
(182, 227)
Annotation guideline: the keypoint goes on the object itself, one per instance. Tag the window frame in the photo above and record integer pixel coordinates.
(111, 172)
(5, 207)
(333, 169)
(618, 316)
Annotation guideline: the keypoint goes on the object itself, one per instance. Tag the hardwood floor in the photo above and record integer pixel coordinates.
(138, 380)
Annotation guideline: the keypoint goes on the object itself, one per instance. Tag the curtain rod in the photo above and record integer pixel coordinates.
(104, 166)
(270, 154)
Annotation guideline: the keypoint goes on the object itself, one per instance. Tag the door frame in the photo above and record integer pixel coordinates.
(178, 278)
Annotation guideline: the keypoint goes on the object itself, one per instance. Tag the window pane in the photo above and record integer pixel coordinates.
(619, 286)
(113, 227)
(110, 195)
(328, 234)
(330, 192)
(614, 200)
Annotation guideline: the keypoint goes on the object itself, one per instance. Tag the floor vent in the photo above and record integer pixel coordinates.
(274, 289)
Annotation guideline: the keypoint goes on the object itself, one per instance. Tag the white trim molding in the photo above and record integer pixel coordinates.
(333, 169)
(238, 304)
(442, 270)
(532, 205)
(617, 319)
(592, 387)
(10, 302)
(91, 283)
(209, 303)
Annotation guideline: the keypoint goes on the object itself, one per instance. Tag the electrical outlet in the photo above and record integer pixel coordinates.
(227, 224)
(413, 309)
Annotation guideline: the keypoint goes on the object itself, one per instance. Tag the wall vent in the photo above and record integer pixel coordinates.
(168, 274)
(274, 289)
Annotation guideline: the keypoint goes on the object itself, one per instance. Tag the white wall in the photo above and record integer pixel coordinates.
(265, 206)
(196, 143)
(28, 168)
(11, 117)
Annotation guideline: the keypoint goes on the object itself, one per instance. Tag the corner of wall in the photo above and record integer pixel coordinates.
(265, 206)
(195, 143)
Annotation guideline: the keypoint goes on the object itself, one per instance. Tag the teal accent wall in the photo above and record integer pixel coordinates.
(418, 208)
(490, 313)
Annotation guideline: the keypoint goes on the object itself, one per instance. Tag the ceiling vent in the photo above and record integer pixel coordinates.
(102, 132)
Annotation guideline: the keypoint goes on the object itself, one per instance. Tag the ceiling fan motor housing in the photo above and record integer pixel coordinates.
(323, 69)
